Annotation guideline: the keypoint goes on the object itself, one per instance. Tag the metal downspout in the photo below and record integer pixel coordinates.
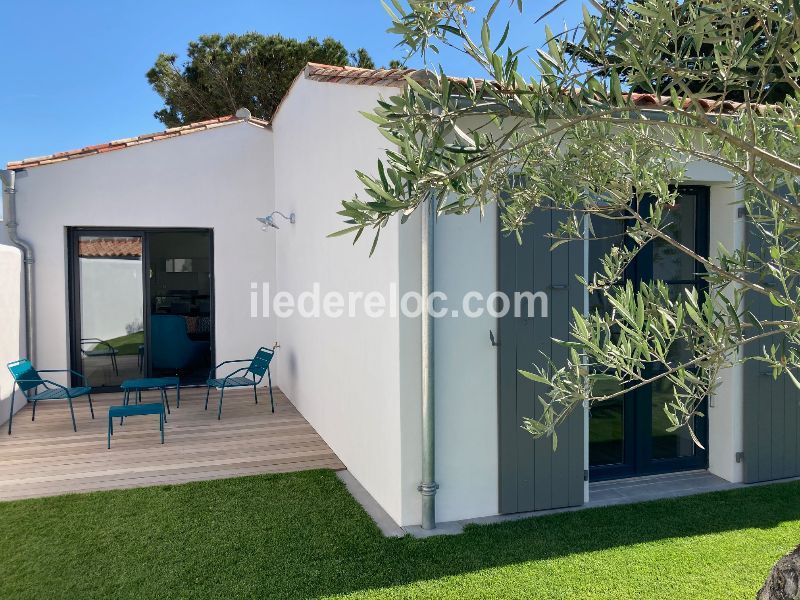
(428, 486)
(10, 216)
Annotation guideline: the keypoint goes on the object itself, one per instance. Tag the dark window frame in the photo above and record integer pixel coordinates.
(637, 408)
(73, 288)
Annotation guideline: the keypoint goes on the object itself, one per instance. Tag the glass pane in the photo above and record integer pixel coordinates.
(679, 352)
(607, 430)
(669, 263)
(112, 334)
(606, 234)
(666, 444)
(180, 304)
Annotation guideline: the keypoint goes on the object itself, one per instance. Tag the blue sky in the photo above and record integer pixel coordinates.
(74, 71)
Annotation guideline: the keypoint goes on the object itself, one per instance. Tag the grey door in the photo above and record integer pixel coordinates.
(532, 475)
(771, 406)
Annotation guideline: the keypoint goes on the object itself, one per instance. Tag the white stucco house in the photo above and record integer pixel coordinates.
(184, 202)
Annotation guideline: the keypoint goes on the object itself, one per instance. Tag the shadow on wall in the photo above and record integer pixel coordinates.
(12, 331)
(292, 361)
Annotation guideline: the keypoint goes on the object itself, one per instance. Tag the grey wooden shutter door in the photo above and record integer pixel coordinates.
(771, 417)
(532, 475)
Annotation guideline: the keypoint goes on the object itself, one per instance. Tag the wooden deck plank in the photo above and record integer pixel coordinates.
(173, 479)
(133, 444)
(125, 434)
(99, 476)
(45, 457)
(18, 472)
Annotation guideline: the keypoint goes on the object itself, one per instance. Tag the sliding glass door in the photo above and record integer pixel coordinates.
(141, 304)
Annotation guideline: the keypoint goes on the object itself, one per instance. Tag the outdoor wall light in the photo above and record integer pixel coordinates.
(269, 220)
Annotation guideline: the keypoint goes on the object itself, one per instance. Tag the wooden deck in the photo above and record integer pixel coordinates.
(46, 458)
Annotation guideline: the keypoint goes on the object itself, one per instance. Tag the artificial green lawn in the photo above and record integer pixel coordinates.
(127, 344)
(301, 535)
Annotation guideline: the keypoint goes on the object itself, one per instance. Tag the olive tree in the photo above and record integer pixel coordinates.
(572, 137)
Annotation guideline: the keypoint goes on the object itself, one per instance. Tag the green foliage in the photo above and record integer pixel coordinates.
(225, 73)
(752, 33)
(361, 59)
(301, 535)
(572, 137)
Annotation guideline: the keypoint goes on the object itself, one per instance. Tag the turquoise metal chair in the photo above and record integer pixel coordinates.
(170, 345)
(27, 378)
(100, 348)
(259, 365)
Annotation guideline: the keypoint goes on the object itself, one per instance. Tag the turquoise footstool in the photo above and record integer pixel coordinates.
(131, 410)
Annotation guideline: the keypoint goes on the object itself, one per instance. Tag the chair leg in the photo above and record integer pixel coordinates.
(161, 425)
(110, 430)
(11, 414)
(178, 393)
(255, 394)
(91, 408)
(72, 413)
(126, 398)
(208, 391)
(164, 402)
(219, 411)
(33, 412)
(271, 399)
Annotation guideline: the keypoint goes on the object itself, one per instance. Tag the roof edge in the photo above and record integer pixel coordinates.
(138, 140)
(358, 75)
(397, 78)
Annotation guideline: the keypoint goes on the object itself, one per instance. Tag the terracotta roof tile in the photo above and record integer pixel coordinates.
(116, 247)
(131, 141)
(725, 106)
(358, 76)
(396, 78)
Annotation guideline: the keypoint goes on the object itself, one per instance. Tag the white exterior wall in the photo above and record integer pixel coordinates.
(726, 406)
(466, 369)
(410, 354)
(12, 317)
(219, 179)
(357, 380)
(343, 374)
